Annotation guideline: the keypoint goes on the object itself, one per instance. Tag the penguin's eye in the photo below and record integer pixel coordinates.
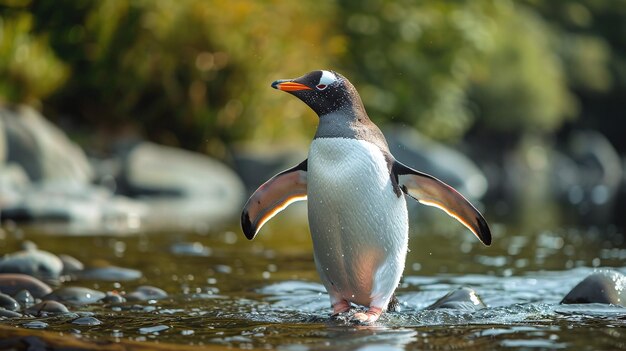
(321, 86)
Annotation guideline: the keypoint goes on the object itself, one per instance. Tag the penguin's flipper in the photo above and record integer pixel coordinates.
(430, 191)
(272, 197)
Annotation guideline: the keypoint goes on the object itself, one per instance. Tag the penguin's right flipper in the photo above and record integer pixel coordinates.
(430, 191)
(272, 197)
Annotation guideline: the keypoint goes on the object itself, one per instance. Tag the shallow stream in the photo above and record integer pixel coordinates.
(226, 290)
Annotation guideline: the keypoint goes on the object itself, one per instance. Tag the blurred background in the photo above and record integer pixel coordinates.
(518, 104)
(156, 118)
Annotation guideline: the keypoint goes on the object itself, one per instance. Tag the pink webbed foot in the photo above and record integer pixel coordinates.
(368, 317)
(341, 307)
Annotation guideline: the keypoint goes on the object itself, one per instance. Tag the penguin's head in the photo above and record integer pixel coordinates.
(323, 91)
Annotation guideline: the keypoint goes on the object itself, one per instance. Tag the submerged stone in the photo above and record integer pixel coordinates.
(110, 274)
(47, 307)
(76, 295)
(87, 320)
(190, 249)
(464, 299)
(35, 325)
(146, 292)
(607, 286)
(12, 283)
(154, 329)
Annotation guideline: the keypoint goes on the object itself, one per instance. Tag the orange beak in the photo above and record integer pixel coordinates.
(287, 85)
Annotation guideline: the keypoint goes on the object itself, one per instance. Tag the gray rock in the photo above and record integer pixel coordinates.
(13, 182)
(9, 314)
(597, 180)
(40, 148)
(12, 283)
(19, 145)
(192, 189)
(145, 292)
(464, 299)
(71, 264)
(451, 166)
(110, 274)
(600, 287)
(32, 262)
(76, 295)
(24, 298)
(8, 303)
(84, 208)
(255, 163)
(28, 245)
(46, 307)
(57, 185)
(86, 321)
(113, 298)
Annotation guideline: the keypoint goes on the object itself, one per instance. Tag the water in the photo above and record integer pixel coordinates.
(226, 290)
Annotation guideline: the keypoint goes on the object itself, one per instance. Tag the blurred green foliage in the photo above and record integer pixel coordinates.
(196, 73)
(453, 62)
(28, 66)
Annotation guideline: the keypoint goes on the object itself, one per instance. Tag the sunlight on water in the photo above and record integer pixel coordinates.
(266, 294)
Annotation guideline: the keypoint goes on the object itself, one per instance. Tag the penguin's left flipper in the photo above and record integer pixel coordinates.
(430, 191)
(272, 197)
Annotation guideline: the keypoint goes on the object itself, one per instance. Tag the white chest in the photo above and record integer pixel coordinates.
(358, 224)
(346, 168)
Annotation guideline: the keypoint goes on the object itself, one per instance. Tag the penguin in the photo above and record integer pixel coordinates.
(356, 192)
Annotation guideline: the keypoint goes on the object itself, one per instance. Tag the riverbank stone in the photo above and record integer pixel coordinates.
(24, 298)
(114, 298)
(8, 303)
(606, 286)
(9, 314)
(12, 283)
(76, 295)
(34, 262)
(46, 307)
(192, 190)
(40, 148)
(71, 264)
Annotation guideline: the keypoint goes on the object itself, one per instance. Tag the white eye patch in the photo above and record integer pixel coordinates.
(327, 79)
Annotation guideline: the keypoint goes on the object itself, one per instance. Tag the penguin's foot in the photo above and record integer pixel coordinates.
(341, 307)
(368, 317)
